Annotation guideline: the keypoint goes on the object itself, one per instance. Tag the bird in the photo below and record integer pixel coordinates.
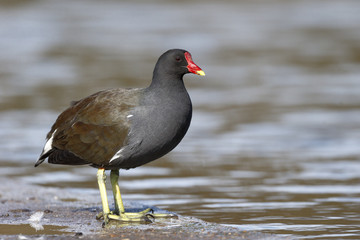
(125, 128)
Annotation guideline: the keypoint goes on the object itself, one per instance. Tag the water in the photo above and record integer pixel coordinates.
(274, 142)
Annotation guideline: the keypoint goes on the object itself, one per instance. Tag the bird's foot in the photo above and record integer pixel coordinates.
(146, 216)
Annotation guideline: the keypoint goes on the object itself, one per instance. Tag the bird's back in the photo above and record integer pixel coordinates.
(91, 130)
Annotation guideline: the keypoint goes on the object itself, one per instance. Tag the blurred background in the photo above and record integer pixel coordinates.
(274, 144)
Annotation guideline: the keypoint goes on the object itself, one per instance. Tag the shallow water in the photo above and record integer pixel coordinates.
(27, 229)
(274, 141)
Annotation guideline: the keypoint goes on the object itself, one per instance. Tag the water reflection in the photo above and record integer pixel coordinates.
(274, 140)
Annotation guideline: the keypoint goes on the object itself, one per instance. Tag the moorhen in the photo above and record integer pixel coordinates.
(125, 128)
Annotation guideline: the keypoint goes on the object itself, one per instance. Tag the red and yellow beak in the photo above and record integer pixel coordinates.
(192, 67)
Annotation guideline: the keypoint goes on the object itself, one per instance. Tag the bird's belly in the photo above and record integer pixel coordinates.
(150, 140)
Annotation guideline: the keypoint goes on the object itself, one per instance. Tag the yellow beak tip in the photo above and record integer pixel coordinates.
(201, 73)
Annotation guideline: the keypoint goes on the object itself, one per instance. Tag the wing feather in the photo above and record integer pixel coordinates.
(94, 128)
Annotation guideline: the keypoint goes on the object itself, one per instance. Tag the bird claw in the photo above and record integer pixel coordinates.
(99, 216)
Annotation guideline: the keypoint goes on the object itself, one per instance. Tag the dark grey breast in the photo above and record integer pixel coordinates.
(158, 124)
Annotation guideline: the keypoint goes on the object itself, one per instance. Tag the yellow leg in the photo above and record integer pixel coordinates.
(121, 215)
(119, 206)
(101, 177)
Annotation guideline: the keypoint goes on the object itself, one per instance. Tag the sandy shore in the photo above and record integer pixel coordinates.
(37, 212)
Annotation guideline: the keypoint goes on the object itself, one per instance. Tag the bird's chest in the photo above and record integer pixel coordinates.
(161, 123)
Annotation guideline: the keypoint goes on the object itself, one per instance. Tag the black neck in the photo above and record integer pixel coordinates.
(167, 81)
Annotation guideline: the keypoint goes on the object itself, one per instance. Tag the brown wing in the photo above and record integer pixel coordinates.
(95, 128)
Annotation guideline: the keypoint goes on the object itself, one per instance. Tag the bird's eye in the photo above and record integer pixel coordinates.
(178, 58)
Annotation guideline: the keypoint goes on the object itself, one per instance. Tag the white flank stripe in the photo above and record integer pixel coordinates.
(129, 116)
(48, 144)
(117, 155)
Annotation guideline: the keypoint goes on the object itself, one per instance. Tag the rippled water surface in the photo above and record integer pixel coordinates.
(274, 144)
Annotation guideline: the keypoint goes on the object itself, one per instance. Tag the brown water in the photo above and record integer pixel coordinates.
(274, 143)
(26, 229)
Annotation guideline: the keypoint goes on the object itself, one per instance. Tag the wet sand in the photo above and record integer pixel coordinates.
(67, 214)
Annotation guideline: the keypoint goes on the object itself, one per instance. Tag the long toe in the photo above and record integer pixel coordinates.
(132, 217)
(141, 217)
(165, 215)
(100, 216)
